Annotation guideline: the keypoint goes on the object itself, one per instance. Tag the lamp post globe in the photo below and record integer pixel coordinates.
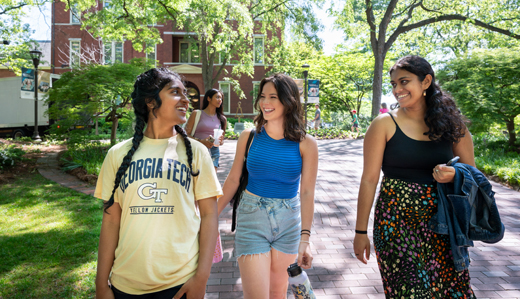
(305, 74)
(35, 56)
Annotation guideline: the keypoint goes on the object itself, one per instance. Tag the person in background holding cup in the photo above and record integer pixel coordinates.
(202, 124)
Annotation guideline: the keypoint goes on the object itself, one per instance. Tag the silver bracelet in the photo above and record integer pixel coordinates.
(301, 241)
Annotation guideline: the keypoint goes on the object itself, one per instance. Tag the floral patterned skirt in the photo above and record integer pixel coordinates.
(414, 262)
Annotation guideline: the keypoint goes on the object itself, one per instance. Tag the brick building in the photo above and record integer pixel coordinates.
(70, 44)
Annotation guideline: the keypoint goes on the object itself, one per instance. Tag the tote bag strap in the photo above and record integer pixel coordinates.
(197, 118)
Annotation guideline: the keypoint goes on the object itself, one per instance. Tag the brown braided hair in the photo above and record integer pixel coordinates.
(146, 89)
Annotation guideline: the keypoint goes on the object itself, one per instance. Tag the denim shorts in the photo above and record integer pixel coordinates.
(215, 155)
(264, 223)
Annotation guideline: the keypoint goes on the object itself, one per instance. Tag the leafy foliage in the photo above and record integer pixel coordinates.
(345, 78)
(494, 156)
(12, 29)
(379, 24)
(9, 155)
(486, 86)
(92, 90)
(89, 155)
(224, 29)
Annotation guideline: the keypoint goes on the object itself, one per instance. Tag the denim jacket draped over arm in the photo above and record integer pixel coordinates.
(467, 212)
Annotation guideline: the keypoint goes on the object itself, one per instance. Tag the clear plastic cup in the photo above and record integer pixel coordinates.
(216, 134)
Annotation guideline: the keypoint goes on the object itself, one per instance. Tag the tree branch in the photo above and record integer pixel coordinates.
(429, 10)
(271, 9)
(372, 24)
(383, 26)
(12, 8)
(174, 16)
(443, 18)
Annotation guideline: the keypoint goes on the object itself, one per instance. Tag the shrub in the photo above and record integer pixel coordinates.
(89, 155)
(10, 155)
(494, 156)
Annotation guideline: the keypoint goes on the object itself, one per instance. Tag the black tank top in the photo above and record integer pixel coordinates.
(413, 160)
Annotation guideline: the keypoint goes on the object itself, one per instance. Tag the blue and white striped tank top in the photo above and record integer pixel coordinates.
(274, 167)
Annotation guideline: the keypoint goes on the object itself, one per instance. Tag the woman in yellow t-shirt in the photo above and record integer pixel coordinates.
(155, 242)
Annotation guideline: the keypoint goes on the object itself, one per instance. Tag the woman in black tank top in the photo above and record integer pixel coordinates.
(412, 145)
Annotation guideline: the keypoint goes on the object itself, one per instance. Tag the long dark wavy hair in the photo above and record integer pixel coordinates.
(146, 90)
(442, 116)
(289, 96)
(220, 110)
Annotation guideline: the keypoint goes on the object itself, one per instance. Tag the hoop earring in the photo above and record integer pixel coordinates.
(424, 93)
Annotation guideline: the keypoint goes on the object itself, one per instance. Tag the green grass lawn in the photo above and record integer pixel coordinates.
(48, 240)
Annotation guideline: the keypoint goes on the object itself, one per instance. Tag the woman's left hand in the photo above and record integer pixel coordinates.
(221, 139)
(444, 174)
(304, 256)
(194, 288)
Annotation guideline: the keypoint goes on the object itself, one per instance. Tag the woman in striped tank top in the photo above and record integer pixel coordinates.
(274, 219)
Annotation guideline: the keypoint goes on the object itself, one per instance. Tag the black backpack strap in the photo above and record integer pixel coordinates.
(249, 140)
(243, 182)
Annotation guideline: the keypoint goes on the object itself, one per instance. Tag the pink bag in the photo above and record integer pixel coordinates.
(217, 256)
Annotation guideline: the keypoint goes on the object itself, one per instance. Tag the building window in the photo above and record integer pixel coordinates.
(189, 52)
(256, 88)
(258, 50)
(152, 55)
(75, 15)
(113, 52)
(226, 101)
(75, 53)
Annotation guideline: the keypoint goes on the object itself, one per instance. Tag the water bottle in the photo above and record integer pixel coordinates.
(299, 283)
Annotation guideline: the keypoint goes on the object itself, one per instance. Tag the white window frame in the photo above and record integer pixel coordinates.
(71, 41)
(189, 51)
(78, 13)
(257, 36)
(220, 84)
(113, 54)
(255, 83)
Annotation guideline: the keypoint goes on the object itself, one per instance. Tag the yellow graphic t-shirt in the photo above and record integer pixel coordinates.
(158, 237)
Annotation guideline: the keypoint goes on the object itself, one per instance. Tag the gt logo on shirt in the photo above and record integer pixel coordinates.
(154, 193)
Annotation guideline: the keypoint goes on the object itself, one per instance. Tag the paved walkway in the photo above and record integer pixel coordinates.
(336, 273)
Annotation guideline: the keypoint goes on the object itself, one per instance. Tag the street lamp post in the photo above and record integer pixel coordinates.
(35, 55)
(305, 74)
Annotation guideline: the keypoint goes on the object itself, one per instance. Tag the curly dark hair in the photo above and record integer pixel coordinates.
(146, 90)
(220, 110)
(289, 96)
(442, 117)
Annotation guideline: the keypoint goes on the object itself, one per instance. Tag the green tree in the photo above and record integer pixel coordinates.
(486, 86)
(92, 90)
(222, 31)
(346, 79)
(383, 22)
(15, 55)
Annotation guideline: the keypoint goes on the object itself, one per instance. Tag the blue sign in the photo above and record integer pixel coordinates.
(314, 91)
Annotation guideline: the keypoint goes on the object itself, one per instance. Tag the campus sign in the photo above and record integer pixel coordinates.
(313, 93)
(44, 83)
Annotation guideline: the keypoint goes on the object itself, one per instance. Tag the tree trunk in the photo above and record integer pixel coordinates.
(511, 129)
(113, 132)
(207, 65)
(377, 85)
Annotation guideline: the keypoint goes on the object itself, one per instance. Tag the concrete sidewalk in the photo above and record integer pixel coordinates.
(336, 273)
